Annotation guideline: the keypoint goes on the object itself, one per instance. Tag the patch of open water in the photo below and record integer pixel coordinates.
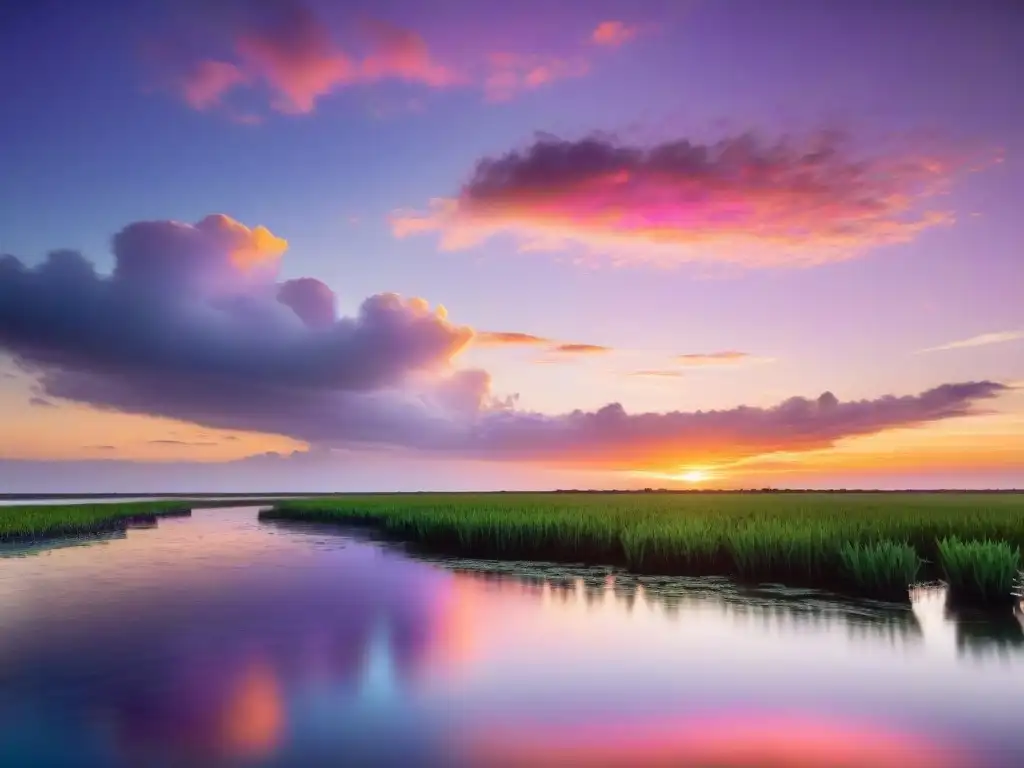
(220, 640)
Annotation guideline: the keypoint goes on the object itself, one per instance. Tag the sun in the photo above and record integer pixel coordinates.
(694, 476)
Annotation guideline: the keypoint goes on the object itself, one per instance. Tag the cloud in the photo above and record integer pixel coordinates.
(292, 51)
(200, 443)
(312, 301)
(41, 402)
(744, 199)
(508, 338)
(206, 82)
(657, 374)
(509, 74)
(403, 54)
(515, 338)
(982, 340)
(194, 325)
(199, 307)
(581, 349)
(284, 46)
(726, 357)
(612, 437)
(613, 33)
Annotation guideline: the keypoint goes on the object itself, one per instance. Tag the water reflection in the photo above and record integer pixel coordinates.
(217, 640)
(722, 742)
(29, 548)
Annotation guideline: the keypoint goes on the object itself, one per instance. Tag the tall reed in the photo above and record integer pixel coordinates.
(980, 571)
(33, 521)
(884, 568)
(867, 543)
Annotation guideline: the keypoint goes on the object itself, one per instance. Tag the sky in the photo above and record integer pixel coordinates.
(297, 245)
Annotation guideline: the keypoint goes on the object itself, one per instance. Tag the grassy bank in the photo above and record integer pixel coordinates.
(865, 544)
(39, 521)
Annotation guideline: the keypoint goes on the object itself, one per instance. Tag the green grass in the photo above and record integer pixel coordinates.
(37, 521)
(980, 571)
(870, 544)
(884, 567)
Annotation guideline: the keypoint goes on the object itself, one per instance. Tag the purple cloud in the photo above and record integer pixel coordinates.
(198, 307)
(192, 324)
(744, 199)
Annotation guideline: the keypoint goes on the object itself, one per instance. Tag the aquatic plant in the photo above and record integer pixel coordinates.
(870, 543)
(980, 571)
(884, 568)
(36, 521)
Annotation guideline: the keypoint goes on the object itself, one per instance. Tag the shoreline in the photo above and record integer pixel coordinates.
(28, 523)
(881, 556)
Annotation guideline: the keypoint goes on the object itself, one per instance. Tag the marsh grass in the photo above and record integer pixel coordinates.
(39, 521)
(980, 571)
(884, 568)
(870, 544)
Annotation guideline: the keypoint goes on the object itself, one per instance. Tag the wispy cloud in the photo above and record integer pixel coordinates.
(41, 402)
(726, 357)
(511, 73)
(403, 54)
(204, 84)
(745, 199)
(658, 373)
(285, 47)
(508, 338)
(517, 339)
(191, 443)
(581, 349)
(614, 33)
(292, 51)
(982, 340)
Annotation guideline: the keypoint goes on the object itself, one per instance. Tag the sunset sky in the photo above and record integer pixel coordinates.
(263, 245)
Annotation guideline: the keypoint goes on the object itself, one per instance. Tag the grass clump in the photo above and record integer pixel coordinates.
(874, 544)
(884, 568)
(39, 521)
(980, 571)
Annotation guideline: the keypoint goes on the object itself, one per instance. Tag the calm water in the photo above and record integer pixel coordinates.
(218, 640)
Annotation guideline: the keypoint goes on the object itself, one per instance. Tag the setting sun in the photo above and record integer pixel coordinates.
(694, 476)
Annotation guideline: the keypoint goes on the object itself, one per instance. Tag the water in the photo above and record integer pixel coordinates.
(219, 640)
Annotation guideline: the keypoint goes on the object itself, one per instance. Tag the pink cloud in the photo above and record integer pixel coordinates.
(743, 199)
(402, 54)
(613, 33)
(509, 74)
(656, 373)
(581, 349)
(284, 46)
(727, 357)
(508, 338)
(515, 338)
(208, 81)
(296, 57)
